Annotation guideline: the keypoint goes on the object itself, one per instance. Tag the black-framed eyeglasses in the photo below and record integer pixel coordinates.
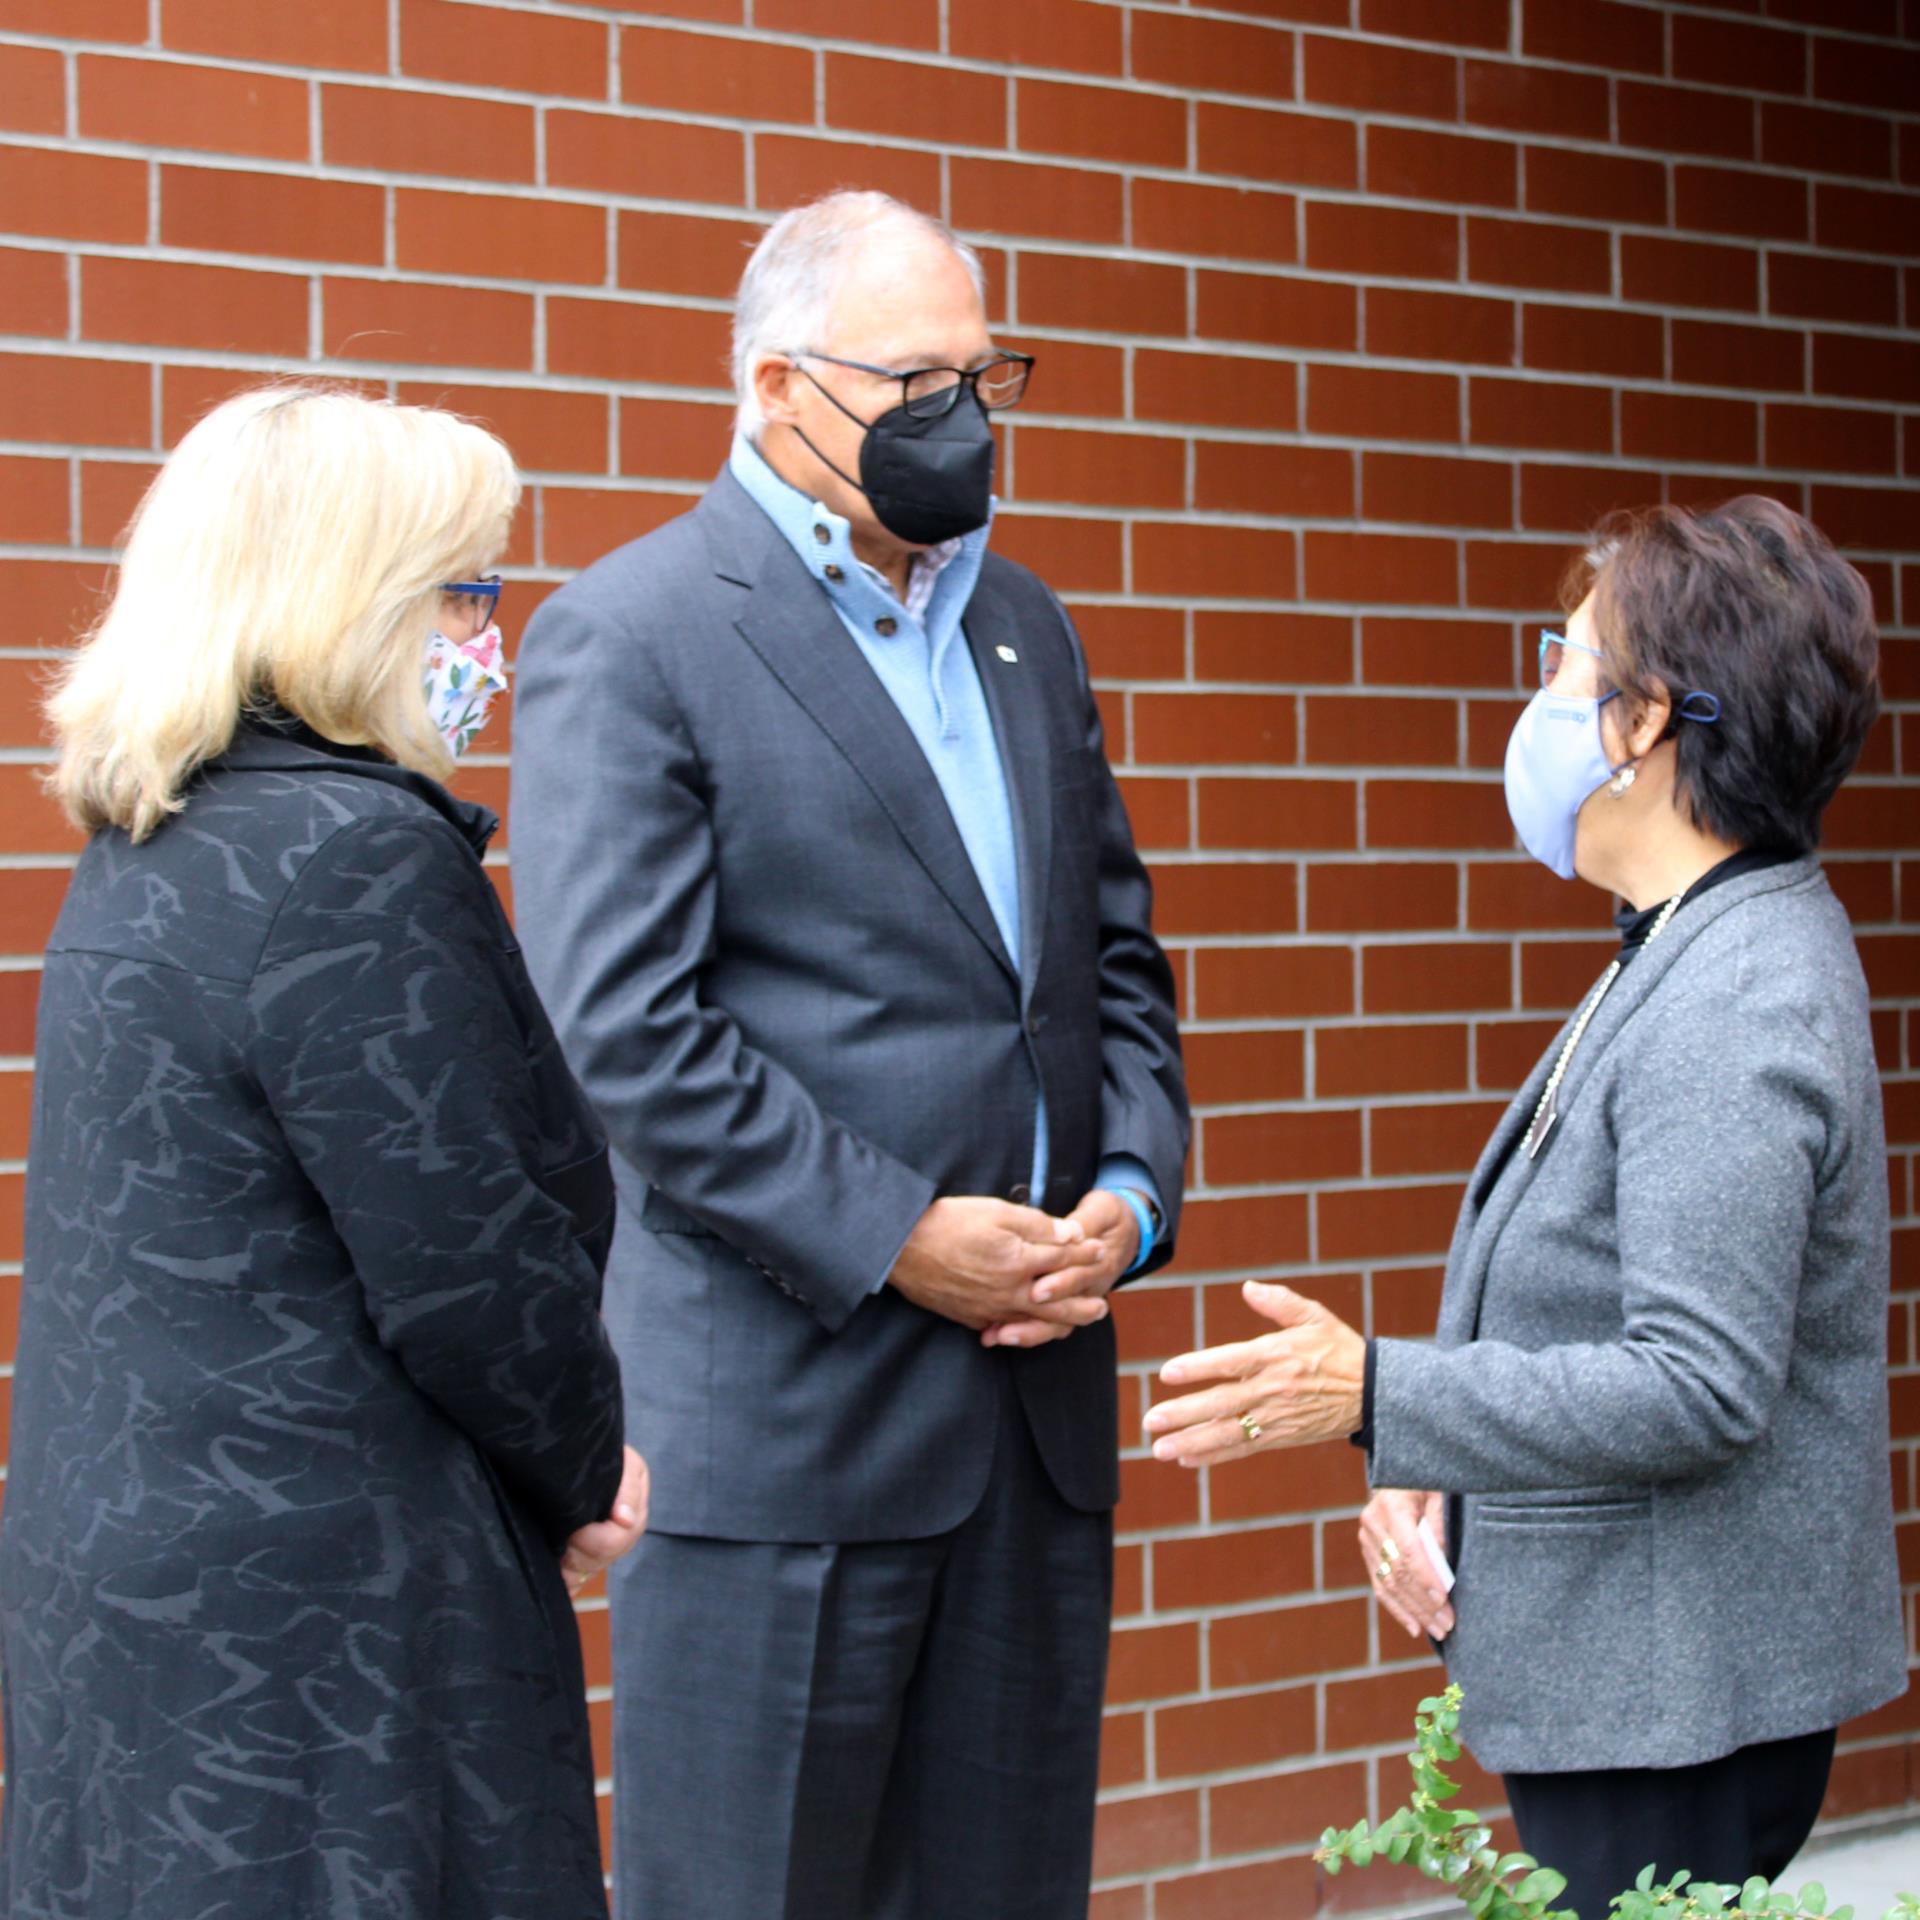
(928, 392)
(475, 600)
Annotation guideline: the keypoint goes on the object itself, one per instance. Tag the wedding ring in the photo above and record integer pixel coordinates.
(1250, 1426)
(1383, 1567)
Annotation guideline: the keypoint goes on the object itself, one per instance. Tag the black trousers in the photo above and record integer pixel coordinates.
(895, 1730)
(1728, 1819)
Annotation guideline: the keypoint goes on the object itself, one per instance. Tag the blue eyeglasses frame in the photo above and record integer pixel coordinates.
(488, 590)
(1701, 707)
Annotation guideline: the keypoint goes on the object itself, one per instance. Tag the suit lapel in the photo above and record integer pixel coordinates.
(1016, 705)
(793, 628)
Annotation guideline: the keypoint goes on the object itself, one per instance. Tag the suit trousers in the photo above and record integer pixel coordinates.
(895, 1730)
(1748, 1812)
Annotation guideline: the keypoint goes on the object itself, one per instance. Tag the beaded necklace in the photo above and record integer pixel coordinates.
(1547, 1113)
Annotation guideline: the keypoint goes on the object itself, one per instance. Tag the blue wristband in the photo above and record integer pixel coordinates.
(1143, 1219)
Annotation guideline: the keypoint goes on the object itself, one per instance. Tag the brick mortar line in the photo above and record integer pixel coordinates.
(1099, 165)
(1053, 245)
(212, 159)
(822, 45)
(1215, 346)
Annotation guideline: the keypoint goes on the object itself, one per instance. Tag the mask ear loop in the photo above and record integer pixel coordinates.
(833, 400)
(1703, 708)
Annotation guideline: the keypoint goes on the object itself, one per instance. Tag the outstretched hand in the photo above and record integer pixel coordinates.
(592, 1549)
(1302, 1384)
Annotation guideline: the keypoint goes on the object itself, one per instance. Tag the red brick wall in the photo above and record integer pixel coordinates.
(1350, 315)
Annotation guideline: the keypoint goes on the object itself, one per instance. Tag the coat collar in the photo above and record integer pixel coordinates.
(1500, 1180)
(785, 618)
(275, 742)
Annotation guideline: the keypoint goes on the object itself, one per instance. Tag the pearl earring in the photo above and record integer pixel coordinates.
(1622, 780)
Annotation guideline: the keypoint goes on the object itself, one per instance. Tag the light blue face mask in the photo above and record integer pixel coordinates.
(1554, 763)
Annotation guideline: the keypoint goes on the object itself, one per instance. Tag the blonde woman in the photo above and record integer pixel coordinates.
(314, 1419)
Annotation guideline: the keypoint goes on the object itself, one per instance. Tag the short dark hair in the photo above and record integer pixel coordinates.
(1748, 602)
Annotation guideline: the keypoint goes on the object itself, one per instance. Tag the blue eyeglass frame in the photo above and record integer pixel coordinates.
(488, 590)
(1700, 707)
(1549, 639)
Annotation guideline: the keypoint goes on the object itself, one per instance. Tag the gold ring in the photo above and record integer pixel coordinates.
(1389, 1552)
(1382, 1567)
(1250, 1426)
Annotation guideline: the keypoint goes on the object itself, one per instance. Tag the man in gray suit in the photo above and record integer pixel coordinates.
(828, 887)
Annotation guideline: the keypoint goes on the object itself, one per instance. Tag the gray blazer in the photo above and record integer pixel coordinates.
(769, 961)
(1660, 1376)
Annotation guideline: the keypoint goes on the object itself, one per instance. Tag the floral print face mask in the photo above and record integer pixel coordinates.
(463, 679)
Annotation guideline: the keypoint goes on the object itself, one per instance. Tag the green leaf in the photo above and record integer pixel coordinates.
(1398, 1848)
(1362, 1853)
(1542, 1886)
(1813, 1898)
(1755, 1892)
(1513, 1863)
(1645, 1881)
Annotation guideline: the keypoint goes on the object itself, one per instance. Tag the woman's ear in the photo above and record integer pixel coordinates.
(1644, 717)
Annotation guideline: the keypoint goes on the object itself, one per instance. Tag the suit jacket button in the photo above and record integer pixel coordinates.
(1019, 1193)
(1035, 1022)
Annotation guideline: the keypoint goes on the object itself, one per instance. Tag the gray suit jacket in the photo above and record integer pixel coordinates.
(1660, 1377)
(770, 963)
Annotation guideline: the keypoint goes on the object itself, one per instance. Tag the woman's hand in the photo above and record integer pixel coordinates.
(595, 1547)
(1285, 1389)
(1404, 1581)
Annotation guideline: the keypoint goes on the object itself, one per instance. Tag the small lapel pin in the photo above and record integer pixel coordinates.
(1007, 654)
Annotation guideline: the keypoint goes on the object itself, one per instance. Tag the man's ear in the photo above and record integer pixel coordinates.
(773, 378)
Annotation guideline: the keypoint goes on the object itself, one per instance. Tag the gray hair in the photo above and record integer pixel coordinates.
(787, 292)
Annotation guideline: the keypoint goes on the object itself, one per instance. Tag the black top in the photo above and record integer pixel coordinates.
(1635, 923)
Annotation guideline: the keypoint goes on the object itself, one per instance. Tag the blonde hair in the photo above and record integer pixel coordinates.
(291, 551)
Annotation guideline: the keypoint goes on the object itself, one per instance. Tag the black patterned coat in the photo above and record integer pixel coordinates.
(311, 1378)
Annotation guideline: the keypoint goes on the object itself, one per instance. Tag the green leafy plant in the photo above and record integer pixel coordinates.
(1454, 1846)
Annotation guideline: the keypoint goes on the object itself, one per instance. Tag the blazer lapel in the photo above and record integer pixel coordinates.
(792, 626)
(1487, 1214)
(1652, 964)
(1016, 704)
(1489, 1200)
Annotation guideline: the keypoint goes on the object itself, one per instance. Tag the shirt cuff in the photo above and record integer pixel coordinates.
(1362, 1435)
(1120, 1172)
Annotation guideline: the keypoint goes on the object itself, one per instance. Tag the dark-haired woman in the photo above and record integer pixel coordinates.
(1653, 1427)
